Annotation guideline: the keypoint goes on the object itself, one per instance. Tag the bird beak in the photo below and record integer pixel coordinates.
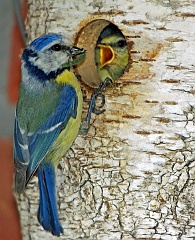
(76, 51)
(107, 55)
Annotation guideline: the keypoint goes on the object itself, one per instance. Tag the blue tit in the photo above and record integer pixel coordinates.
(47, 120)
(112, 58)
(111, 53)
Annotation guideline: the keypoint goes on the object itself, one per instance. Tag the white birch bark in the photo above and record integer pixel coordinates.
(132, 176)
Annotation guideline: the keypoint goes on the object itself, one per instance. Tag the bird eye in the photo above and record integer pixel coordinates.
(121, 43)
(56, 47)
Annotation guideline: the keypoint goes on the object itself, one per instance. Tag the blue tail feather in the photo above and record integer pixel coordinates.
(47, 212)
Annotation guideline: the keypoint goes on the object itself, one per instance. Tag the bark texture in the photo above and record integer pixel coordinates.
(132, 176)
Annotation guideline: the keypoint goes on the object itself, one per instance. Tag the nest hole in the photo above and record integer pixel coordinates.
(88, 38)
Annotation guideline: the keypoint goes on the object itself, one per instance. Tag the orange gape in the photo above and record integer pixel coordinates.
(107, 55)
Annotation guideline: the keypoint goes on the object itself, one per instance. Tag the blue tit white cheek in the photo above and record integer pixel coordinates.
(49, 61)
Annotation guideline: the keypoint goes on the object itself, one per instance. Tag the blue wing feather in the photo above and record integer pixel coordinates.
(21, 152)
(40, 141)
(21, 157)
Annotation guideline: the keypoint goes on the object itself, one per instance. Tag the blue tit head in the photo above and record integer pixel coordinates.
(113, 47)
(45, 56)
(113, 51)
(112, 54)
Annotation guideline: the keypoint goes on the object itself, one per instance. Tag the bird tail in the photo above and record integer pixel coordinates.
(47, 212)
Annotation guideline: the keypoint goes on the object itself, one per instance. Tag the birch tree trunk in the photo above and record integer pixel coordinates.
(132, 175)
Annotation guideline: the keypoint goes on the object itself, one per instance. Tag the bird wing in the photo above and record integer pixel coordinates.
(31, 148)
(21, 156)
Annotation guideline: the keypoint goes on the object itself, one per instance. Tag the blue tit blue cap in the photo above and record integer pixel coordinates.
(40, 42)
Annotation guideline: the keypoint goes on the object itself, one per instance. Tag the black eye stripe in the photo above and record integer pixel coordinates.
(56, 47)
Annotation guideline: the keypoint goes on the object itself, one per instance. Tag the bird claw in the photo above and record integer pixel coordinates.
(92, 109)
(92, 106)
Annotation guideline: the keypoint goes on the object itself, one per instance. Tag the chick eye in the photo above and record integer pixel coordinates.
(56, 47)
(121, 43)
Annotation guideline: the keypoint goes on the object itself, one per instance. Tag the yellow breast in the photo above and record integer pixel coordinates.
(69, 133)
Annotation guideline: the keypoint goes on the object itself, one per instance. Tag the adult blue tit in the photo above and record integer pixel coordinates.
(48, 116)
(111, 53)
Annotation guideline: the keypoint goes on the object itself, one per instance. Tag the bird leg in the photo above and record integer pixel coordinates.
(92, 105)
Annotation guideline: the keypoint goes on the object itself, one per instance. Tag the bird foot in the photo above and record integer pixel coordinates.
(93, 106)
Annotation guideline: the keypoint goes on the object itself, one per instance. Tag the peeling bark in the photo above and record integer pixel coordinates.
(132, 176)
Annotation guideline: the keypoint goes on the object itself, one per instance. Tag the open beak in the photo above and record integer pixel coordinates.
(107, 55)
